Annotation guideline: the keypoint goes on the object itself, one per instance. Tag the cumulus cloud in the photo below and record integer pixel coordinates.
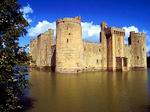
(89, 30)
(26, 11)
(41, 27)
(128, 30)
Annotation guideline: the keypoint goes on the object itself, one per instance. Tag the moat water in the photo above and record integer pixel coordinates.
(90, 92)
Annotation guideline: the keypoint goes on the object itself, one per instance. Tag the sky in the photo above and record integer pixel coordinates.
(131, 15)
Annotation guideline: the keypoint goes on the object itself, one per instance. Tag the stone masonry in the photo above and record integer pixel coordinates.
(70, 54)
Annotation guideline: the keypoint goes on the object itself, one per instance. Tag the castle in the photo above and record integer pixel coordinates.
(70, 54)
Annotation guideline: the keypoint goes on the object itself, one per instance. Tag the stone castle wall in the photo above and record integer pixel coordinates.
(33, 52)
(40, 49)
(72, 54)
(92, 56)
(128, 55)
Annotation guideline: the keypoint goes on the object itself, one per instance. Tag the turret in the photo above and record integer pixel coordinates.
(138, 49)
(69, 46)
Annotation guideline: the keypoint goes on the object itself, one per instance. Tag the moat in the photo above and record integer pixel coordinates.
(90, 92)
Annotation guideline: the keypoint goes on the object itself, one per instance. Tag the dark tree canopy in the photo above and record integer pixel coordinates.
(148, 53)
(12, 82)
(148, 59)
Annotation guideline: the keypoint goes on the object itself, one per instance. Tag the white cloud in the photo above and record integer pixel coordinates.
(26, 11)
(41, 27)
(128, 30)
(90, 30)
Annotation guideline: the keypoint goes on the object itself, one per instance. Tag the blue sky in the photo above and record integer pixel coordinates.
(127, 14)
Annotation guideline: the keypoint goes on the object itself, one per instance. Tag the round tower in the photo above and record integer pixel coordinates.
(69, 45)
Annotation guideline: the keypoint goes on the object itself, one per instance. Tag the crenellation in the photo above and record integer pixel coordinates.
(117, 29)
(71, 54)
(139, 34)
(73, 20)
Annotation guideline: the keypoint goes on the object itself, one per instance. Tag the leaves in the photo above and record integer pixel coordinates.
(12, 26)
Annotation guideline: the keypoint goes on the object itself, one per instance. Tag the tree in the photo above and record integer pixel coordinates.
(148, 59)
(148, 53)
(12, 82)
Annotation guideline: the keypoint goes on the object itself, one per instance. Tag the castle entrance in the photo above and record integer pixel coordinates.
(125, 61)
(119, 63)
(125, 64)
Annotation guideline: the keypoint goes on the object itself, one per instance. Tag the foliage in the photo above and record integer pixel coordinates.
(12, 81)
(148, 59)
(148, 53)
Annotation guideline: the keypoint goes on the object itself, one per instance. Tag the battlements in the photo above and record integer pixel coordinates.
(118, 31)
(47, 32)
(139, 34)
(74, 20)
(71, 54)
(112, 30)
